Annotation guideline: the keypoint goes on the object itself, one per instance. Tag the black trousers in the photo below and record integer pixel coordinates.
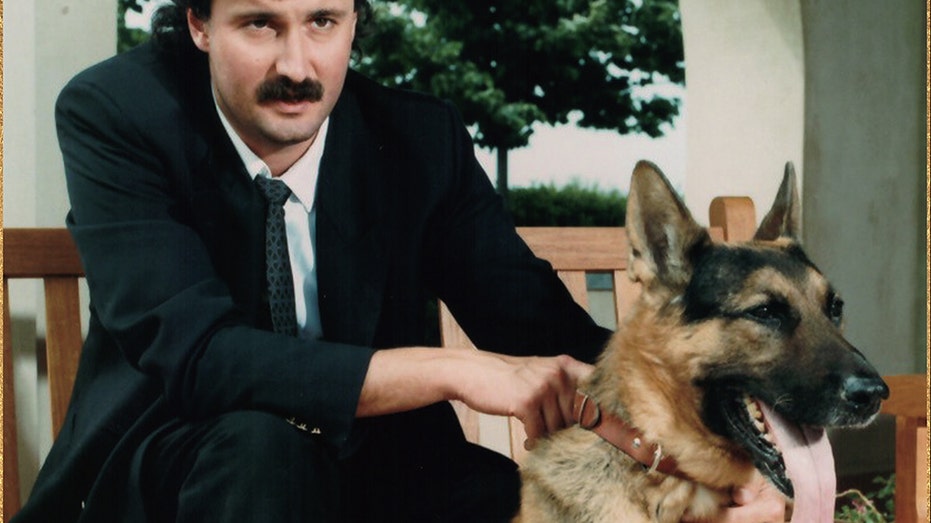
(255, 467)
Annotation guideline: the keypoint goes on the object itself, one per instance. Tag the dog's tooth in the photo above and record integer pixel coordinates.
(759, 426)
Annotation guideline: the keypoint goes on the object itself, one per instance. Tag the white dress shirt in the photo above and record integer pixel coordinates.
(300, 222)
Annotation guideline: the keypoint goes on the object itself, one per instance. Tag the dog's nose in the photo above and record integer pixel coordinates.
(863, 391)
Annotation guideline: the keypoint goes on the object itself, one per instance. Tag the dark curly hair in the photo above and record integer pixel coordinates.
(169, 25)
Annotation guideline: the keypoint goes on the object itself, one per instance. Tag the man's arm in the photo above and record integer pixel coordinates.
(537, 391)
(504, 297)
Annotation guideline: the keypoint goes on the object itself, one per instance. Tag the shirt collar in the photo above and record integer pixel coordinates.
(301, 177)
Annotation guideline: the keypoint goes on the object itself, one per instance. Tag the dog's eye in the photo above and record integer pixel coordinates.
(773, 314)
(835, 309)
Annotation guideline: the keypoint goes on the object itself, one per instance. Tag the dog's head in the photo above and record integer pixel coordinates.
(762, 324)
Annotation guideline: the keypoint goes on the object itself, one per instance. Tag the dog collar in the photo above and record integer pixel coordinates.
(617, 432)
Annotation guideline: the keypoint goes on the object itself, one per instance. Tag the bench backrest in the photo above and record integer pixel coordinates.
(48, 255)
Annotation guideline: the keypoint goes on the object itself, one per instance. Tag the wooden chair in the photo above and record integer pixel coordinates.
(575, 252)
(908, 403)
(49, 255)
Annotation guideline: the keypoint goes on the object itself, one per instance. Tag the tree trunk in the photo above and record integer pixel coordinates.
(503, 173)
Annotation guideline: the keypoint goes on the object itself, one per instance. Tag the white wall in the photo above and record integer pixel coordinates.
(745, 94)
(49, 42)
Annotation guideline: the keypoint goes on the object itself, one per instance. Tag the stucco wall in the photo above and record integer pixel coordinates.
(865, 158)
(865, 140)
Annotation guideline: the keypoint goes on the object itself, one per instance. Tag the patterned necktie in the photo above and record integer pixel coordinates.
(277, 262)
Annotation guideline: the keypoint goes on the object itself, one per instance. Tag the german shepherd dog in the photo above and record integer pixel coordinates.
(731, 362)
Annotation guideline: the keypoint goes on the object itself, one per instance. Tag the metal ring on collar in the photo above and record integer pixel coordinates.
(597, 418)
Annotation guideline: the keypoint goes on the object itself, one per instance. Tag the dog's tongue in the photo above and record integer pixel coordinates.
(810, 465)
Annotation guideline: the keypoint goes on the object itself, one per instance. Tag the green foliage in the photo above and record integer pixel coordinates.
(134, 5)
(127, 38)
(508, 65)
(572, 205)
(878, 506)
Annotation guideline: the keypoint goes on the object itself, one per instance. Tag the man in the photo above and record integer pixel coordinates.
(187, 405)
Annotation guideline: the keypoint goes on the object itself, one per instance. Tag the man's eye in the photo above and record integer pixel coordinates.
(258, 23)
(322, 23)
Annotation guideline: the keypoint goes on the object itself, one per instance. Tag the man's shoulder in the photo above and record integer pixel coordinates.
(142, 75)
(391, 106)
(141, 97)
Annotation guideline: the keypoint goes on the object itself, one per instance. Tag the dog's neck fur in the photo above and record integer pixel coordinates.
(643, 387)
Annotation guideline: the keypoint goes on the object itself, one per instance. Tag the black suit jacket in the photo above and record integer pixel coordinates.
(170, 230)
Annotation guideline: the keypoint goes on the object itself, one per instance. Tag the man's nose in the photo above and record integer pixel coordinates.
(294, 58)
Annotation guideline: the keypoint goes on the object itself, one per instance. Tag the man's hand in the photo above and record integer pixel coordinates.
(537, 391)
(756, 502)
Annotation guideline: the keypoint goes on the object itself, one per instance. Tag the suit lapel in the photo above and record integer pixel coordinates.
(228, 210)
(351, 246)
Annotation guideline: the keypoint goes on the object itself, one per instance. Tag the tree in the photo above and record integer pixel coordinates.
(507, 65)
(127, 38)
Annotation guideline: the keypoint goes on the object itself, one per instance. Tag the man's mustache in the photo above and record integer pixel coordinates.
(285, 90)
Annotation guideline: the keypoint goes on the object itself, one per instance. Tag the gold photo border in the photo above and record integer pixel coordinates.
(927, 240)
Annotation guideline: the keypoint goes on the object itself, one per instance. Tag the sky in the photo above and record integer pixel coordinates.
(605, 159)
(562, 154)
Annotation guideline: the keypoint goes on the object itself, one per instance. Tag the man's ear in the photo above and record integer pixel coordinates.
(198, 30)
(662, 235)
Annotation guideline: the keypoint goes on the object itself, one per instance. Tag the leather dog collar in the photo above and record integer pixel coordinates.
(617, 432)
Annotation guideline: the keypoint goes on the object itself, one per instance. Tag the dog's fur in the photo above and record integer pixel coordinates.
(713, 322)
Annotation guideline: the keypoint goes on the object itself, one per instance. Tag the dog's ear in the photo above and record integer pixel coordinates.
(783, 219)
(663, 236)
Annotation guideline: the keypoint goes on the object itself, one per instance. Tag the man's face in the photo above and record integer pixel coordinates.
(277, 66)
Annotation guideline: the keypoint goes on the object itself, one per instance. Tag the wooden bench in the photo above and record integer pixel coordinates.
(50, 255)
(908, 402)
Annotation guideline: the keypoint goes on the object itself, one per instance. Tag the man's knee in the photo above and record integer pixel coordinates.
(263, 435)
(256, 447)
(254, 466)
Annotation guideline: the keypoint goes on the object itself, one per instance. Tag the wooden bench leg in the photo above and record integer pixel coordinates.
(907, 462)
